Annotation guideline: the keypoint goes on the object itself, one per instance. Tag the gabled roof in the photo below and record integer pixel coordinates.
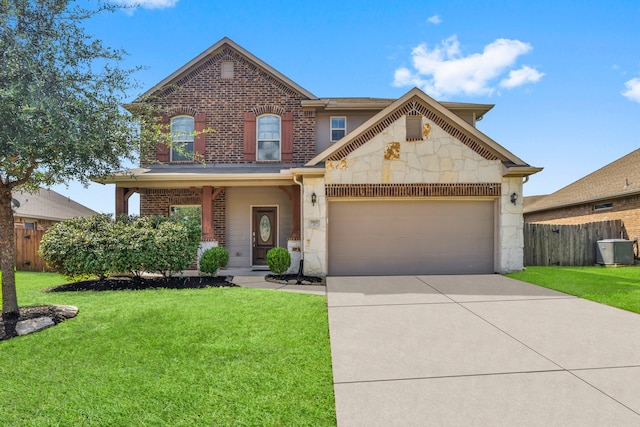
(217, 47)
(417, 100)
(618, 179)
(49, 205)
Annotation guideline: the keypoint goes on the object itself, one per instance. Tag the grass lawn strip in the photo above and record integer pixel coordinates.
(215, 356)
(614, 286)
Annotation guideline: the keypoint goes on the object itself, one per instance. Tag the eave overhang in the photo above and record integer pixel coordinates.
(140, 178)
(513, 171)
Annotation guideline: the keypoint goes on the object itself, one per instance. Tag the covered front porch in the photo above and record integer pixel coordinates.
(248, 213)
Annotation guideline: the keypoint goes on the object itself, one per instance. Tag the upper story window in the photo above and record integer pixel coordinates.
(338, 128)
(268, 140)
(182, 136)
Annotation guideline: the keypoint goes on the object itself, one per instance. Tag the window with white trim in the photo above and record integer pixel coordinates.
(268, 137)
(182, 137)
(338, 128)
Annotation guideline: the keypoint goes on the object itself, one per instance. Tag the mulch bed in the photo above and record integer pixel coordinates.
(294, 279)
(140, 283)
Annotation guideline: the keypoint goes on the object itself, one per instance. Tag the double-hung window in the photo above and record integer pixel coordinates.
(182, 136)
(268, 141)
(338, 128)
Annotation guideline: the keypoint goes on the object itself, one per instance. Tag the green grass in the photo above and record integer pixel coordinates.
(234, 356)
(614, 286)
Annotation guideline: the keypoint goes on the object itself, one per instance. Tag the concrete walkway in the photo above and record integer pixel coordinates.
(479, 351)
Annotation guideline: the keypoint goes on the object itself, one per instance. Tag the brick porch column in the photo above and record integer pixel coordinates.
(122, 200)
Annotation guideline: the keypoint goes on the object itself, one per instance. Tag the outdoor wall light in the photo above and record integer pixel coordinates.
(314, 198)
(514, 197)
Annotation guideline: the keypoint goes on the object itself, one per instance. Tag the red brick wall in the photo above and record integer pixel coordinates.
(159, 201)
(627, 210)
(224, 101)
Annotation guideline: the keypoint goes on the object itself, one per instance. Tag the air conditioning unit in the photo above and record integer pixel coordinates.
(614, 252)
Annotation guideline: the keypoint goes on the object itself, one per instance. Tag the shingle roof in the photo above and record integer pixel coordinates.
(620, 178)
(47, 204)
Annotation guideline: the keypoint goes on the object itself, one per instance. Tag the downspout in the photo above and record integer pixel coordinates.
(300, 268)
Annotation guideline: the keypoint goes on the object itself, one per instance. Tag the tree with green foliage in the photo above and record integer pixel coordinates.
(61, 115)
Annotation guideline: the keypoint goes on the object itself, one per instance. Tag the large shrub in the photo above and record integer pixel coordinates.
(213, 259)
(77, 247)
(99, 246)
(278, 260)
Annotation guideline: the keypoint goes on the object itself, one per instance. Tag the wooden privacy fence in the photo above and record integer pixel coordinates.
(569, 245)
(27, 245)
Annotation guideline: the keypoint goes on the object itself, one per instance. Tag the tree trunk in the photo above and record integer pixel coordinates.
(7, 256)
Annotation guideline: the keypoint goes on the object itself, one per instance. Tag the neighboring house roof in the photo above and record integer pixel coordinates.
(48, 205)
(618, 179)
(225, 42)
(530, 200)
(480, 142)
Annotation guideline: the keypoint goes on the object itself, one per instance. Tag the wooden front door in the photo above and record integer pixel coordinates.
(264, 233)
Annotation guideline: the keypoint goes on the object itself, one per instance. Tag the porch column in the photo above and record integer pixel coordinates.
(295, 212)
(207, 213)
(122, 200)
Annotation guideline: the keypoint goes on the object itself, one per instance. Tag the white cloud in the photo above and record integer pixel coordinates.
(149, 4)
(435, 19)
(444, 70)
(520, 77)
(633, 90)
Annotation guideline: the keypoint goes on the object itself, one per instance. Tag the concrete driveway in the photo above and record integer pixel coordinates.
(480, 350)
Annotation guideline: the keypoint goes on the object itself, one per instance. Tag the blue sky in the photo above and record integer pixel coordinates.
(564, 75)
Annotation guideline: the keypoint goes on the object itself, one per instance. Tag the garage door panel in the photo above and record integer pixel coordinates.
(411, 237)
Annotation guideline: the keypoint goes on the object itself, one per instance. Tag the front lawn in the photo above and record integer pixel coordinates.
(192, 357)
(615, 286)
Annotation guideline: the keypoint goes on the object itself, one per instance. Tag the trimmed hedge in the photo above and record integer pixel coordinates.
(213, 259)
(278, 260)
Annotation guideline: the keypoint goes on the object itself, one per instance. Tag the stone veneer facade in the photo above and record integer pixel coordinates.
(438, 160)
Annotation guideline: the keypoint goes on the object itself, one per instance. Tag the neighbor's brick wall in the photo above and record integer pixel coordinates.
(224, 101)
(627, 210)
(159, 201)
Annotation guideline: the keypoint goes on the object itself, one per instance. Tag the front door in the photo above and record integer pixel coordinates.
(264, 233)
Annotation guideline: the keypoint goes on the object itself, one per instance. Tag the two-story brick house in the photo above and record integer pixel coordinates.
(351, 185)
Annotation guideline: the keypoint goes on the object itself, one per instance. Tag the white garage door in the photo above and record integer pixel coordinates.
(411, 237)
